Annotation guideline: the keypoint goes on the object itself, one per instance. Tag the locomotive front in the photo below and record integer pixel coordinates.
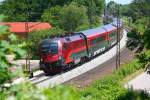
(50, 55)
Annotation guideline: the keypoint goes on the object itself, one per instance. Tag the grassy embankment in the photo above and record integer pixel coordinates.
(111, 87)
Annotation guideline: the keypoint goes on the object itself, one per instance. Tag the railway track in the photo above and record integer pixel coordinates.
(37, 77)
(99, 72)
(90, 76)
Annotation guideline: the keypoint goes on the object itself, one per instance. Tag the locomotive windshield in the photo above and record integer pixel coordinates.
(51, 48)
(54, 47)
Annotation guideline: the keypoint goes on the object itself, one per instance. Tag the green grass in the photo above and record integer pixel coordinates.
(109, 88)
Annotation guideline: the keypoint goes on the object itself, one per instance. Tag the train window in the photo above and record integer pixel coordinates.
(100, 39)
(49, 48)
(93, 41)
(97, 40)
(54, 48)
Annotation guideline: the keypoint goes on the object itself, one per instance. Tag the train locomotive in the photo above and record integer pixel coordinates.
(59, 53)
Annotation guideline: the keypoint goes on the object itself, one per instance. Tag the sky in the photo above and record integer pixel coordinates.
(120, 1)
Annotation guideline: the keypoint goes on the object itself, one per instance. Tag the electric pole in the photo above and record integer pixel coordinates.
(28, 67)
(118, 39)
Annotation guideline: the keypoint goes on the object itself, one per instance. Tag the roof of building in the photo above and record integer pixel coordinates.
(20, 27)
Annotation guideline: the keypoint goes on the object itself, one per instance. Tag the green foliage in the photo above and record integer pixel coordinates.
(3, 29)
(52, 15)
(16, 9)
(132, 34)
(109, 88)
(134, 95)
(26, 91)
(140, 8)
(95, 9)
(84, 14)
(112, 7)
(82, 27)
(125, 10)
(140, 14)
(37, 8)
(139, 25)
(144, 57)
(105, 89)
(62, 93)
(73, 16)
(139, 11)
(7, 48)
(60, 2)
(146, 38)
(23, 91)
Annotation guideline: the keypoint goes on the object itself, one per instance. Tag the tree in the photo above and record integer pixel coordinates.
(52, 15)
(17, 10)
(141, 19)
(73, 16)
(112, 8)
(141, 14)
(146, 39)
(60, 2)
(6, 47)
(94, 8)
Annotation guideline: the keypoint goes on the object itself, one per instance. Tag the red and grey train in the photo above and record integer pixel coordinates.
(63, 52)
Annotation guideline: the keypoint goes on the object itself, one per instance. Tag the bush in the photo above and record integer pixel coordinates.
(62, 93)
(146, 38)
(23, 91)
(73, 16)
(7, 48)
(26, 91)
(109, 88)
(134, 95)
(52, 15)
(144, 58)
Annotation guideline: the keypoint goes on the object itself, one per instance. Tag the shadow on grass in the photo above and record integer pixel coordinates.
(135, 95)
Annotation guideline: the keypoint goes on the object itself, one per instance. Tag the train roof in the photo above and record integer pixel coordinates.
(92, 32)
(99, 30)
(71, 38)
